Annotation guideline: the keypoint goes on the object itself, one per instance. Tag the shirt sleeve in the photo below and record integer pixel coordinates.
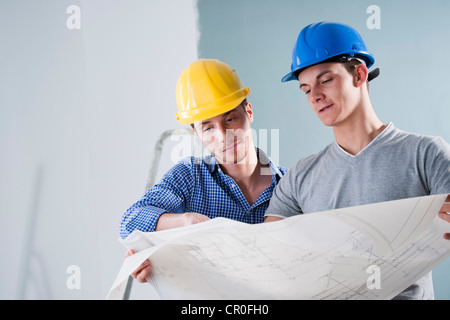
(437, 166)
(171, 194)
(283, 203)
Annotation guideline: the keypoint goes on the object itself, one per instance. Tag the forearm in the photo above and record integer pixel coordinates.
(175, 220)
(272, 219)
(143, 218)
(169, 220)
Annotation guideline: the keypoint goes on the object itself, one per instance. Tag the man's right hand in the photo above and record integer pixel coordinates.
(142, 271)
(166, 221)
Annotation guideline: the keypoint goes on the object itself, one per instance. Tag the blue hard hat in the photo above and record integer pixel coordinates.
(326, 42)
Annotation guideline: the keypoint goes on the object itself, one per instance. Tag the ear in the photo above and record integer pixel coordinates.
(361, 75)
(249, 111)
(195, 131)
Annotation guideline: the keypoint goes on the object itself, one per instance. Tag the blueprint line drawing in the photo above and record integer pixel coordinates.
(322, 255)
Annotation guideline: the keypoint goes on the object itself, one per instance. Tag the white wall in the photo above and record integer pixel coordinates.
(80, 111)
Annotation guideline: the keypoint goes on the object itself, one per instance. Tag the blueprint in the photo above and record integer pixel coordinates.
(365, 252)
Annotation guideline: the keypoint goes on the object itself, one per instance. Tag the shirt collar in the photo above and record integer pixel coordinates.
(211, 163)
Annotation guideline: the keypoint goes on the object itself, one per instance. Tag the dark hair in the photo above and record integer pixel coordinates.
(349, 62)
(351, 65)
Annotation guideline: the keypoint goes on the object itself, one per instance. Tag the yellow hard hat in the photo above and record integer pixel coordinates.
(208, 88)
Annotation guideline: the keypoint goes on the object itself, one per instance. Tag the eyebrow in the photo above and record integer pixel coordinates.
(223, 115)
(317, 78)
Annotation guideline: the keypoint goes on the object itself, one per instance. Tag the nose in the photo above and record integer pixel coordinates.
(316, 95)
(222, 134)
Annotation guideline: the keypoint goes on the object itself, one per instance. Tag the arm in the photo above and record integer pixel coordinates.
(176, 220)
(153, 211)
(272, 219)
(170, 195)
(284, 202)
(437, 168)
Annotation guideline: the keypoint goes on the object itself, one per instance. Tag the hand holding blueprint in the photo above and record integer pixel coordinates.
(323, 255)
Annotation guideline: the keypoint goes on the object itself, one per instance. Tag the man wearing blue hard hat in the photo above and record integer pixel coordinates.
(369, 161)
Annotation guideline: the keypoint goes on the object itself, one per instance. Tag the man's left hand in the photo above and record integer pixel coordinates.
(444, 214)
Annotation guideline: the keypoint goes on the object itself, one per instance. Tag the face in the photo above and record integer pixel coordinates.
(227, 136)
(332, 92)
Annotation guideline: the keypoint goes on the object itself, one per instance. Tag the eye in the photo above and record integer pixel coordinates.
(305, 91)
(326, 81)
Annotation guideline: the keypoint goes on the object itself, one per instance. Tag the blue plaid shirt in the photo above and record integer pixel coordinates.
(198, 185)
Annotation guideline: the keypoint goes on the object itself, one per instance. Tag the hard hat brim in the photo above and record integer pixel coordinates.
(207, 112)
(367, 58)
(289, 77)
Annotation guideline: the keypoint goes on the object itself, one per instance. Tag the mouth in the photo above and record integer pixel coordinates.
(325, 108)
(232, 147)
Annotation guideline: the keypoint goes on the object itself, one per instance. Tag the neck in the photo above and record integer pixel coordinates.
(354, 135)
(249, 176)
(245, 169)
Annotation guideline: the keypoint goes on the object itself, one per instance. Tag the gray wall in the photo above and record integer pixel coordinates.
(411, 49)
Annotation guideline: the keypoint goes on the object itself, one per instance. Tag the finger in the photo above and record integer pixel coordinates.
(129, 253)
(444, 216)
(445, 208)
(447, 236)
(143, 265)
(142, 276)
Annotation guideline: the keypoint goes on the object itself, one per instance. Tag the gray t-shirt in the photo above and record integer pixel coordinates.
(395, 165)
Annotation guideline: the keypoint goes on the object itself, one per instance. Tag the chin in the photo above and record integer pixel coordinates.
(327, 123)
(237, 158)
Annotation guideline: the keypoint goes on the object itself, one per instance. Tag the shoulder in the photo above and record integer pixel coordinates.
(420, 141)
(313, 159)
(193, 165)
(307, 165)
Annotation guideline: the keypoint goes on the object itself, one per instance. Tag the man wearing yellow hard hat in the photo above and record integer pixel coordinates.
(236, 181)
